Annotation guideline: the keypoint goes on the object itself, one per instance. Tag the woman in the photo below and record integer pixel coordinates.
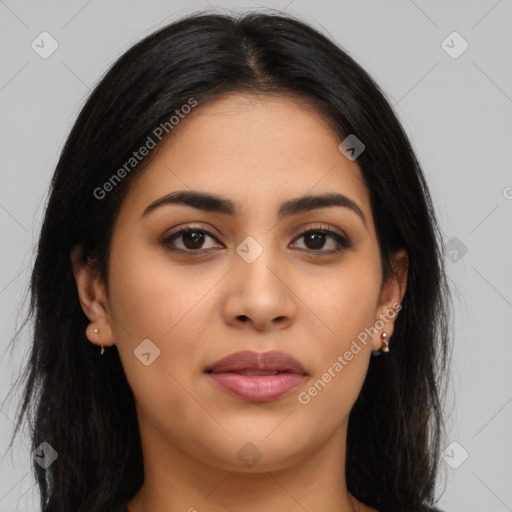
(236, 228)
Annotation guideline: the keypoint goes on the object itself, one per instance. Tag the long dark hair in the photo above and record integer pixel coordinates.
(82, 405)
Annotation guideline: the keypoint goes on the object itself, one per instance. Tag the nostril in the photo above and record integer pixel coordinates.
(243, 318)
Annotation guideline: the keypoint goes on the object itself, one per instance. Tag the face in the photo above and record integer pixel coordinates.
(248, 275)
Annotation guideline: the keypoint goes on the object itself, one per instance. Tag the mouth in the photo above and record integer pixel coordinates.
(257, 376)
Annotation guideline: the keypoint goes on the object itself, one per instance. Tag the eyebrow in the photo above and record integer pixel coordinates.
(214, 203)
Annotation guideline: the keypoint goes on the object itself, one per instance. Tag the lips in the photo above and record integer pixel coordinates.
(257, 376)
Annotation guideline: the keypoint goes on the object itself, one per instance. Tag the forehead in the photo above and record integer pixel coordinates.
(254, 149)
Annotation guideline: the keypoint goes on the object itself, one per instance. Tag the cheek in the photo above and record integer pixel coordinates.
(168, 304)
(346, 303)
(153, 300)
(345, 299)
(151, 296)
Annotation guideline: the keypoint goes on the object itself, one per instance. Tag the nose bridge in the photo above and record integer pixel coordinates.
(260, 287)
(258, 261)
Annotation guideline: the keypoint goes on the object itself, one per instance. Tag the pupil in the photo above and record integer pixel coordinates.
(196, 239)
(317, 239)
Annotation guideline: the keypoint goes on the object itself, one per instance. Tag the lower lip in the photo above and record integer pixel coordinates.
(261, 388)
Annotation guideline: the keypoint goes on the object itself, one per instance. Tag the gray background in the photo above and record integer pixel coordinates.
(457, 112)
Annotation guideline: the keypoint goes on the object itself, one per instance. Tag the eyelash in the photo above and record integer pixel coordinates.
(343, 242)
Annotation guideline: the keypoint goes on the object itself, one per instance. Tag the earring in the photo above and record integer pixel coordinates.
(385, 341)
(96, 331)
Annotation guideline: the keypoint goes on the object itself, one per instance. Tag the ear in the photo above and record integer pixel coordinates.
(93, 299)
(391, 295)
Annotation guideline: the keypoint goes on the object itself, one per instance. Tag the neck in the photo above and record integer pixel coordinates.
(174, 481)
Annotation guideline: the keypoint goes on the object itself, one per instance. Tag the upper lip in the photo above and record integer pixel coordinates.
(265, 361)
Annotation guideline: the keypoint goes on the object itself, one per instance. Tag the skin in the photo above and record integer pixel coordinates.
(258, 151)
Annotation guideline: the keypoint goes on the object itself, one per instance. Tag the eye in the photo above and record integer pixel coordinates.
(316, 238)
(192, 239)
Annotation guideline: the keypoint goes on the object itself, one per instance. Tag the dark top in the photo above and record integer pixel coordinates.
(122, 508)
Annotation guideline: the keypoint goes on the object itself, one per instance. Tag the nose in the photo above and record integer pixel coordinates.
(260, 294)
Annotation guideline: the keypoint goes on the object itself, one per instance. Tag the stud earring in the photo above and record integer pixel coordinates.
(96, 331)
(385, 341)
